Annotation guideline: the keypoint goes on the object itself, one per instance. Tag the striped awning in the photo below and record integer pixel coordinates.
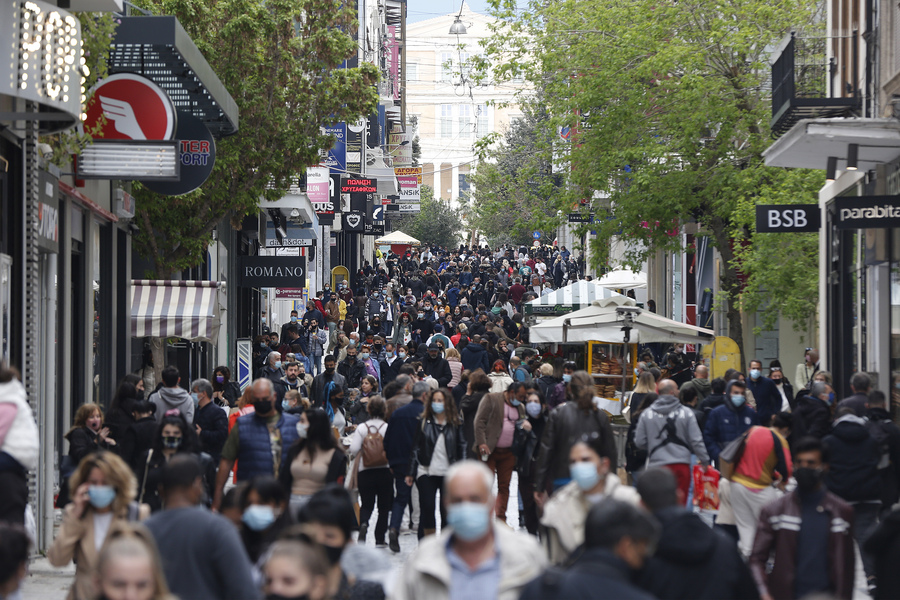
(579, 294)
(182, 309)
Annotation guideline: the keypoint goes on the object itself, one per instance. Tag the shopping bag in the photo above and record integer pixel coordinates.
(706, 487)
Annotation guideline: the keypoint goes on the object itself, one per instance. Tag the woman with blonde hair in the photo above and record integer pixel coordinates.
(102, 503)
(129, 567)
(452, 356)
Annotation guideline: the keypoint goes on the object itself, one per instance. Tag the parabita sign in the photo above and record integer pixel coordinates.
(272, 271)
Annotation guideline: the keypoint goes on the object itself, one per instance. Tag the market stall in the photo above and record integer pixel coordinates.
(578, 295)
(398, 241)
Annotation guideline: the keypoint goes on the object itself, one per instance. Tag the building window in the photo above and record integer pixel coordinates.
(465, 121)
(464, 64)
(446, 66)
(446, 120)
(412, 72)
(481, 127)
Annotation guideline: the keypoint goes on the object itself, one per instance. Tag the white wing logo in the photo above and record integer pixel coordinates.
(122, 115)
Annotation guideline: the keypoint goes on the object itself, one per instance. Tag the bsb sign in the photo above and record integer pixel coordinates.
(272, 271)
(784, 218)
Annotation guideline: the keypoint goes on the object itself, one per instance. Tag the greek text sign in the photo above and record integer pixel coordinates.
(784, 218)
(867, 212)
(272, 271)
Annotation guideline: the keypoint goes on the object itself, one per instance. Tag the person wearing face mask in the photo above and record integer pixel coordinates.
(499, 415)
(473, 557)
(173, 436)
(352, 368)
(526, 461)
(273, 369)
(103, 502)
(321, 381)
(785, 389)
(225, 391)
(314, 460)
(391, 363)
(764, 390)
(422, 326)
(806, 371)
(265, 515)
(259, 440)
(295, 570)
(203, 556)
(355, 572)
(815, 553)
(210, 420)
(563, 521)
(370, 363)
(438, 443)
(729, 421)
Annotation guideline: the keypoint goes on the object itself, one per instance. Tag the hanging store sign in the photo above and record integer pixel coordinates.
(336, 158)
(135, 109)
(354, 146)
(47, 224)
(198, 156)
(43, 63)
(319, 189)
(784, 218)
(354, 222)
(358, 185)
(867, 212)
(272, 271)
(581, 218)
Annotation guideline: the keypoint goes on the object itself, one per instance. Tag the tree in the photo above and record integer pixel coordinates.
(437, 222)
(669, 108)
(514, 183)
(280, 61)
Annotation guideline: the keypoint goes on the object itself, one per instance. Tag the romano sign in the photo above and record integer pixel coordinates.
(867, 212)
(272, 271)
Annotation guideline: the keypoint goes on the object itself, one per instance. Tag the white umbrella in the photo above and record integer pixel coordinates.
(397, 237)
(623, 279)
(604, 322)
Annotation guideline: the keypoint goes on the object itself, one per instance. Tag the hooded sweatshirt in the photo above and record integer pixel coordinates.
(853, 463)
(168, 398)
(703, 387)
(655, 434)
(694, 561)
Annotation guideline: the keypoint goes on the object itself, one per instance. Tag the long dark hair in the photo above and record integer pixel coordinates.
(188, 437)
(319, 436)
(125, 396)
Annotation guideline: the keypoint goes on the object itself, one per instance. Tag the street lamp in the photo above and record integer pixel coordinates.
(458, 28)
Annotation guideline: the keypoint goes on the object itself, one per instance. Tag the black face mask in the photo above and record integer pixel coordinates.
(808, 479)
(262, 406)
(329, 370)
(333, 553)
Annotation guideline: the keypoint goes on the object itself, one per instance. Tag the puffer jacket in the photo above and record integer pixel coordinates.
(652, 433)
(427, 573)
(725, 424)
(566, 425)
(565, 514)
(774, 532)
(812, 416)
(854, 457)
(427, 436)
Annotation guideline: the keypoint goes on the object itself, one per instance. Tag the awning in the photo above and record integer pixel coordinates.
(569, 298)
(810, 143)
(182, 309)
(623, 279)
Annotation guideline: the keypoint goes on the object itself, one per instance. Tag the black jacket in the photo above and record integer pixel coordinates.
(353, 372)
(469, 407)
(811, 417)
(213, 424)
(83, 441)
(853, 461)
(710, 402)
(884, 431)
(474, 356)
(595, 573)
(425, 439)
(884, 546)
(438, 368)
(565, 426)
(695, 562)
(118, 421)
(137, 439)
(389, 372)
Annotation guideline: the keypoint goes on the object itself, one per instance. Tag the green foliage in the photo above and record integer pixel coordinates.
(670, 111)
(280, 62)
(514, 184)
(437, 222)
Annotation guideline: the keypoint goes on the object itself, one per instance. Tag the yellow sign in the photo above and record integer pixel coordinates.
(408, 171)
(721, 355)
(339, 274)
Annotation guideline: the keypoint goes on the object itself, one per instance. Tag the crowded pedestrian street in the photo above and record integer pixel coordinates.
(449, 300)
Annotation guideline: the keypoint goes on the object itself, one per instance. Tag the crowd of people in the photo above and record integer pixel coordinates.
(413, 401)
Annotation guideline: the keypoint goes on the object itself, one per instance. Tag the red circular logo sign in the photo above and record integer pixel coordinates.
(135, 109)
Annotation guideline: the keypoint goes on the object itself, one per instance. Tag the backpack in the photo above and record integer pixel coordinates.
(671, 433)
(557, 395)
(373, 449)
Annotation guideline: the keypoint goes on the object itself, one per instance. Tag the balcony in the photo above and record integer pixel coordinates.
(800, 75)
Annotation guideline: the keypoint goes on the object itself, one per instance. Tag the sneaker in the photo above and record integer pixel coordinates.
(394, 540)
(363, 530)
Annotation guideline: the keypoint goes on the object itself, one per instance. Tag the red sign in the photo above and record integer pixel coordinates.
(357, 185)
(135, 109)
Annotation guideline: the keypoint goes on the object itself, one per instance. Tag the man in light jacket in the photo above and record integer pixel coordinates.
(670, 434)
(474, 556)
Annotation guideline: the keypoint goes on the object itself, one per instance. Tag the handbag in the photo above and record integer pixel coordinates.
(520, 444)
(731, 455)
(351, 483)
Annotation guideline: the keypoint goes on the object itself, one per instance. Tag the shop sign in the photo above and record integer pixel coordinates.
(135, 109)
(784, 218)
(354, 222)
(359, 185)
(319, 188)
(198, 156)
(289, 293)
(354, 146)
(373, 228)
(336, 158)
(409, 208)
(271, 271)
(581, 217)
(409, 188)
(867, 212)
(47, 224)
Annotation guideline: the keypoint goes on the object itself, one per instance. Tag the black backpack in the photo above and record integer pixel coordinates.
(671, 433)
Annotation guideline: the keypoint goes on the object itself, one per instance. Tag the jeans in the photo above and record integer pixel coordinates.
(372, 484)
(502, 461)
(428, 488)
(401, 499)
(865, 516)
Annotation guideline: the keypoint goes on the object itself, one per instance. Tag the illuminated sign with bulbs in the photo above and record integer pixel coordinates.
(47, 65)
